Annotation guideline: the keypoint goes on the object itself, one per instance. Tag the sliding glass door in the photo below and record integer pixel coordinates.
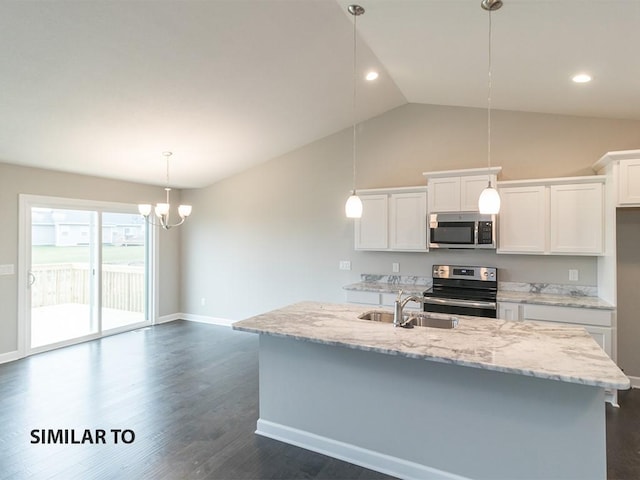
(88, 270)
(62, 275)
(124, 271)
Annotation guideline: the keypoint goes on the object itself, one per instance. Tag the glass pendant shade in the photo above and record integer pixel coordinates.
(144, 209)
(184, 210)
(162, 209)
(489, 201)
(353, 207)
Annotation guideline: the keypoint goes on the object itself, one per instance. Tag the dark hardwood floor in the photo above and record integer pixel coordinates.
(189, 392)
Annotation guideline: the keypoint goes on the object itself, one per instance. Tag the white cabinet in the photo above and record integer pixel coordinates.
(371, 230)
(408, 221)
(576, 218)
(444, 194)
(522, 220)
(375, 299)
(629, 183)
(599, 323)
(458, 190)
(392, 219)
(562, 216)
(509, 311)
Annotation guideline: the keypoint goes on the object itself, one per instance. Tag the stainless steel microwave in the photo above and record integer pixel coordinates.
(462, 230)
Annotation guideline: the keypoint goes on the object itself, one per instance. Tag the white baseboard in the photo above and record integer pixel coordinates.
(370, 459)
(9, 356)
(169, 318)
(635, 382)
(225, 322)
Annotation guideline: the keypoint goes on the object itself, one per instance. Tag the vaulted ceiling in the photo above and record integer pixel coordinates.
(103, 88)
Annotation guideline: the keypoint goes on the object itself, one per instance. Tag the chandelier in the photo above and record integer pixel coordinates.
(162, 210)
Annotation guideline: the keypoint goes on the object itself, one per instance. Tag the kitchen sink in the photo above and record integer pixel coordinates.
(418, 319)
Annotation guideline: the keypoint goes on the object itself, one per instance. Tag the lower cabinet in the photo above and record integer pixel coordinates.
(597, 322)
(509, 311)
(374, 299)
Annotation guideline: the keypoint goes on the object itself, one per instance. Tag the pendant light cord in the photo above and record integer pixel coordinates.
(489, 105)
(355, 18)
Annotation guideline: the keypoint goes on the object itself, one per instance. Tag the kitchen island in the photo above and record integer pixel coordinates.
(487, 399)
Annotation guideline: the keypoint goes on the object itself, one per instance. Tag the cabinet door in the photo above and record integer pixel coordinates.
(444, 194)
(576, 219)
(629, 181)
(470, 189)
(522, 220)
(408, 221)
(371, 230)
(508, 311)
(602, 336)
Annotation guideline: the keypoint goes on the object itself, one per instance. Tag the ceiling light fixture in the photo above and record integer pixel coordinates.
(353, 207)
(489, 201)
(372, 75)
(162, 210)
(581, 78)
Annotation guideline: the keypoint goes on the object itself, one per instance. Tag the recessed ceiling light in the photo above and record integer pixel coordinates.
(371, 76)
(581, 78)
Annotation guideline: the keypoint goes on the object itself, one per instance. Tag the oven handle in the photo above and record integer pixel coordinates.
(459, 303)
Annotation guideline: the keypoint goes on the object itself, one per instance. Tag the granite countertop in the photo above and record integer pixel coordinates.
(557, 300)
(550, 351)
(535, 293)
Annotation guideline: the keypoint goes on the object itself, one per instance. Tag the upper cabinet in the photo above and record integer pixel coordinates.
(560, 216)
(458, 190)
(393, 220)
(522, 219)
(629, 183)
(624, 169)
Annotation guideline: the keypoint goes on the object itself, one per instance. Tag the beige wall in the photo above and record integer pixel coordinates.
(275, 234)
(16, 180)
(628, 251)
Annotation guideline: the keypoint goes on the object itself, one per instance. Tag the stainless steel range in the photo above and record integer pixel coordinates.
(462, 290)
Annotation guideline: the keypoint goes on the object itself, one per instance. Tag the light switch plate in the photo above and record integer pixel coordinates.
(345, 265)
(395, 267)
(573, 275)
(7, 269)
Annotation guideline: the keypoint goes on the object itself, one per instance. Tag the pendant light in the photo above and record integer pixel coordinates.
(353, 207)
(489, 201)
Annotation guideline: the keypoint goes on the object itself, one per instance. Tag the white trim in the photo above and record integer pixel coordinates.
(553, 181)
(463, 173)
(370, 459)
(611, 157)
(26, 202)
(419, 188)
(224, 322)
(635, 382)
(10, 356)
(168, 318)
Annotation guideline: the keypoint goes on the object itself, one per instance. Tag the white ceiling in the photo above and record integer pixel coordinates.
(103, 87)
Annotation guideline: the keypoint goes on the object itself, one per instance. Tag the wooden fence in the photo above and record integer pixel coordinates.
(123, 286)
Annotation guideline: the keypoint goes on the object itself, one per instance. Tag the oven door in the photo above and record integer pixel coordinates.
(457, 306)
(452, 234)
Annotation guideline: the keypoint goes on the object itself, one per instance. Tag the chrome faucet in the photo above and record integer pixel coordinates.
(398, 307)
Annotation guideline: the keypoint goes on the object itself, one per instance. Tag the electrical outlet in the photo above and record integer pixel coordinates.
(573, 275)
(345, 265)
(395, 267)
(203, 301)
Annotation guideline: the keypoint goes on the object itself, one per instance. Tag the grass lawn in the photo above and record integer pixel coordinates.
(43, 255)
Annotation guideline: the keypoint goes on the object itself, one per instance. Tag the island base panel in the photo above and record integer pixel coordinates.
(421, 419)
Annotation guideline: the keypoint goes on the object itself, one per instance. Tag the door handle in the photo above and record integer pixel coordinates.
(32, 278)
